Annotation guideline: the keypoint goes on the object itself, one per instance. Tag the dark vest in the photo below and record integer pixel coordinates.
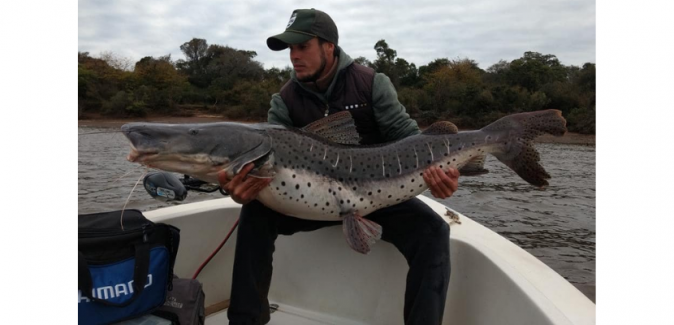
(352, 91)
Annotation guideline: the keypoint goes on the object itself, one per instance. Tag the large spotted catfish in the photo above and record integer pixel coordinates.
(320, 173)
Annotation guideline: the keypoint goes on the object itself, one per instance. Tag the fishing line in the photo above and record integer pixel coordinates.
(87, 133)
(129, 172)
(121, 217)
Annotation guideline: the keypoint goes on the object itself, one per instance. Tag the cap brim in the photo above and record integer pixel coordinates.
(281, 41)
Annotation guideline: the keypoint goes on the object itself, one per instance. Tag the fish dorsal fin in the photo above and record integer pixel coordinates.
(442, 127)
(338, 127)
(474, 167)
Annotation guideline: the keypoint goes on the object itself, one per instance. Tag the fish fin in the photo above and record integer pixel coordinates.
(258, 155)
(518, 150)
(339, 127)
(360, 233)
(264, 167)
(474, 167)
(441, 127)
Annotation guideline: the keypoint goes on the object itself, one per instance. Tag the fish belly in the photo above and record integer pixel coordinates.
(300, 194)
(305, 195)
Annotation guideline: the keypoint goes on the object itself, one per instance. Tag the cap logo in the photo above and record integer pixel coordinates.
(292, 19)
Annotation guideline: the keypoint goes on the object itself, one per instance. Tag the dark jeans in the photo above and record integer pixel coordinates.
(414, 228)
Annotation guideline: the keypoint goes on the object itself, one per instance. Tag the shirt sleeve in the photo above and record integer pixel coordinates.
(278, 113)
(392, 118)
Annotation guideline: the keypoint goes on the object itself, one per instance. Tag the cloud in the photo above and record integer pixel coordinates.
(420, 31)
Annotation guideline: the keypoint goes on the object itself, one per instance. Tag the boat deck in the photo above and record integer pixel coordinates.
(287, 315)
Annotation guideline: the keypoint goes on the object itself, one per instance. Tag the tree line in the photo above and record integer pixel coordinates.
(230, 82)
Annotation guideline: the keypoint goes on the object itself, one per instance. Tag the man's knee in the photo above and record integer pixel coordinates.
(432, 224)
(256, 221)
(255, 212)
(443, 229)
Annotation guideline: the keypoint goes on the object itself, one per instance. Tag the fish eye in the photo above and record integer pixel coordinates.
(194, 131)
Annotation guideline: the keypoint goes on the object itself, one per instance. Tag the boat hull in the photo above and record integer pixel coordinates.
(318, 279)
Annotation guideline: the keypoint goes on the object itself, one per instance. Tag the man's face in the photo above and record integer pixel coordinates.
(308, 59)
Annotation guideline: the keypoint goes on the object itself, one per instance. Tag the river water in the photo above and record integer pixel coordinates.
(557, 225)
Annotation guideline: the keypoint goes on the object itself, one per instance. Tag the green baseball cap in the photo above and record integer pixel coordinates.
(304, 25)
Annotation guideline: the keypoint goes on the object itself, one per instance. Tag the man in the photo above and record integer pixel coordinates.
(325, 81)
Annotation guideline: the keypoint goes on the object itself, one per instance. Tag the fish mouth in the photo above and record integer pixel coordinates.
(141, 156)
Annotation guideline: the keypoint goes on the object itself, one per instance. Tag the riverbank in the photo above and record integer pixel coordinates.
(569, 138)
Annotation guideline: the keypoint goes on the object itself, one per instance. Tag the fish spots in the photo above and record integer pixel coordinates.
(297, 187)
(283, 183)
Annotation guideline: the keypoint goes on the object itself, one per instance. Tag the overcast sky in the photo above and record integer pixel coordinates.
(420, 31)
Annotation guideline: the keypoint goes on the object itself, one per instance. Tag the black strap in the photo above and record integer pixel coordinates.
(140, 271)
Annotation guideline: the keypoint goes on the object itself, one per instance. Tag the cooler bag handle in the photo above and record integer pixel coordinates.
(140, 271)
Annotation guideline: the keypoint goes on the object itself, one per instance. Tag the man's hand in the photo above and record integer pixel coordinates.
(243, 189)
(441, 184)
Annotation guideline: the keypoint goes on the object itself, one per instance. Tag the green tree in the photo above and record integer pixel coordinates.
(385, 62)
(195, 63)
(455, 89)
(160, 86)
(407, 73)
(433, 66)
(363, 61)
(534, 69)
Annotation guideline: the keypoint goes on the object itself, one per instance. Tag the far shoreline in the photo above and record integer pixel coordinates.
(105, 122)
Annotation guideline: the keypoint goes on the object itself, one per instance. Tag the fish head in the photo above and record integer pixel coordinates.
(199, 150)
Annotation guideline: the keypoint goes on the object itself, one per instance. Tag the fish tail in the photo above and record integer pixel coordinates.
(517, 133)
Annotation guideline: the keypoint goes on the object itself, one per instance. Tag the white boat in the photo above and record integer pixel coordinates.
(318, 279)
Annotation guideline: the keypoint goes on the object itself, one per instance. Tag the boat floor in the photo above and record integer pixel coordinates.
(287, 315)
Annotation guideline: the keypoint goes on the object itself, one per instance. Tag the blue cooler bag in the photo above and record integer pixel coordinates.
(123, 273)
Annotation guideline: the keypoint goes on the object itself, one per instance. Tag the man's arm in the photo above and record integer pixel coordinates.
(392, 118)
(278, 113)
(394, 123)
